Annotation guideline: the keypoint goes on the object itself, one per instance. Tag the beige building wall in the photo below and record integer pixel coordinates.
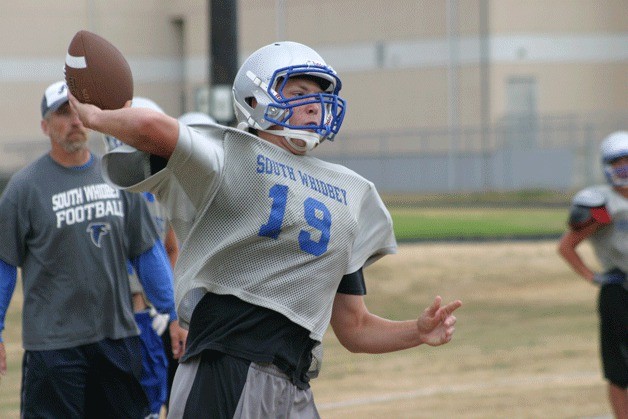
(405, 64)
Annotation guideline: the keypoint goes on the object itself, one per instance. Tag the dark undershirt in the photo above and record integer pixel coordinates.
(226, 324)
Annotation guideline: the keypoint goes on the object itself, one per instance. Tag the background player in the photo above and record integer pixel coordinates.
(600, 214)
(273, 241)
(196, 119)
(159, 356)
(72, 235)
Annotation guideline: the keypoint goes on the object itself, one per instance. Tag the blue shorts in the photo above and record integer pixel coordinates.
(154, 378)
(95, 380)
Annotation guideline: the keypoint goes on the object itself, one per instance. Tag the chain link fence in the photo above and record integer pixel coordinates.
(518, 153)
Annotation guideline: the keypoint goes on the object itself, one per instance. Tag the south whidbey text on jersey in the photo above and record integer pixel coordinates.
(269, 166)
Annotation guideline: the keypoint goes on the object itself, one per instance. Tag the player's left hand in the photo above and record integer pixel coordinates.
(160, 321)
(436, 323)
(614, 276)
(178, 337)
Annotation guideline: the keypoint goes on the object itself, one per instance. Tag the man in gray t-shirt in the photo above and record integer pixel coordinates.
(71, 234)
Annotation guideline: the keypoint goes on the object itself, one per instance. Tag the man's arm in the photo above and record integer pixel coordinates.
(587, 215)
(8, 278)
(144, 129)
(361, 331)
(567, 249)
(154, 272)
(172, 246)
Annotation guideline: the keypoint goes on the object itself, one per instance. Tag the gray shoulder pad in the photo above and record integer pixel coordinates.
(589, 198)
(588, 205)
(124, 166)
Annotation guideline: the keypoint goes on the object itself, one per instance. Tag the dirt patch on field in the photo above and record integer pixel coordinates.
(525, 344)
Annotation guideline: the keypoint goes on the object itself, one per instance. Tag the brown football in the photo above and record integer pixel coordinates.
(96, 72)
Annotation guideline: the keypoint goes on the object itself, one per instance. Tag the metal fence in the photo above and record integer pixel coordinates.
(518, 153)
(553, 152)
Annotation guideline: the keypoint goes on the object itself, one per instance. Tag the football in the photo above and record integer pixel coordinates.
(96, 72)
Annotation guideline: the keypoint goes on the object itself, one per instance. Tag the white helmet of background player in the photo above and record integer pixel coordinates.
(614, 147)
(196, 119)
(136, 102)
(262, 77)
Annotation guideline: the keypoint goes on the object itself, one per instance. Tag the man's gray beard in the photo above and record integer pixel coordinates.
(73, 146)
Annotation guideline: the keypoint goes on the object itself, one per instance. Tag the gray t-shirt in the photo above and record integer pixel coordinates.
(71, 234)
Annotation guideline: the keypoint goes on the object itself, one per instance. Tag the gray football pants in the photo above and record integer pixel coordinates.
(267, 393)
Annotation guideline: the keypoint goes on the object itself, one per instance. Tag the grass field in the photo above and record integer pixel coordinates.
(525, 344)
(477, 223)
(479, 216)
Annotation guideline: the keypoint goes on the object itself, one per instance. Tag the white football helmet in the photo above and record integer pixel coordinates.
(614, 147)
(262, 77)
(136, 102)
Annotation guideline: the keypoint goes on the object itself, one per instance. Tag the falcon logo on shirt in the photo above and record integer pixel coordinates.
(97, 230)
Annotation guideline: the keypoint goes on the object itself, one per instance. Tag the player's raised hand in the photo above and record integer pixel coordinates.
(436, 323)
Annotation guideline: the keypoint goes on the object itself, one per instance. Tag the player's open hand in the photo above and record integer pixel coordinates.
(436, 324)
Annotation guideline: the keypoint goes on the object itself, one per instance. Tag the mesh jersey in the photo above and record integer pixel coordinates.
(272, 228)
(71, 234)
(611, 243)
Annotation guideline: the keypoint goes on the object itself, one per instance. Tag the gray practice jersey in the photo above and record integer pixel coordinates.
(611, 243)
(272, 228)
(71, 233)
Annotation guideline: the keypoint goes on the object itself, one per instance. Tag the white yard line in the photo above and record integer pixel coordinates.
(577, 379)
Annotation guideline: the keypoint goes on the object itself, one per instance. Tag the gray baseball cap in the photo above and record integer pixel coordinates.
(55, 95)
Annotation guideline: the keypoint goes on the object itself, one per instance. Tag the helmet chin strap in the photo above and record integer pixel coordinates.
(311, 139)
